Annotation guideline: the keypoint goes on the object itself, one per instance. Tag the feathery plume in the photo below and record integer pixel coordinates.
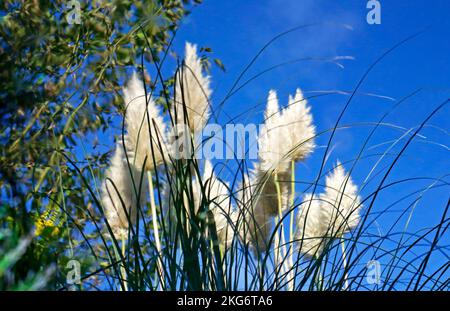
(341, 202)
(266, 182)
(311, 226)
(138, 149)
(329, 215)
(300, 128)
(192, 88)
(274, 161)
(272, 109)
(272, 149)
(137, 138)
(217, 193)
(257, 225)
(286, 135)
(121, 176)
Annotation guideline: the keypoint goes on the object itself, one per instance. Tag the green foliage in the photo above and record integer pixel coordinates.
(47, 65)
(13, 249)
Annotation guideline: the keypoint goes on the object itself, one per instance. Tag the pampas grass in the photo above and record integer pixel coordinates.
(328, 215)
(252, 226)
(118, 193)
(139, 136)
(124, 174)
(192, 92)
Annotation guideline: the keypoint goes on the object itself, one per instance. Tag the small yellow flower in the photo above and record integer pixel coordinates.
(47, 222)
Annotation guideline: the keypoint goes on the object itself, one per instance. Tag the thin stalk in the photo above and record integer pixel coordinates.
(124, 275)
(319, 280)
(280, 250)
(187, 212)
(344, 260)
(276, 250)
(291, 226)
(155, 228)
(291, 222)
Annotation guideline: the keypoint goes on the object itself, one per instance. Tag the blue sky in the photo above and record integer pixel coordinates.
(236, 30)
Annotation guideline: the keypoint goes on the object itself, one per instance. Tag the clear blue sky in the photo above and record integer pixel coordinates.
(236, 30)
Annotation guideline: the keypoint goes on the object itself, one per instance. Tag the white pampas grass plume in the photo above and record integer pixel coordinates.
(286, 135)
(272, 149)
(218, 196)
(329, 215)
(274, 161)
(268, 195)
(138, 150)
(341, 202)
(272, 108)
(137, 138)
(121, 176)
(192, 88)
(311, 226)
(300, 128)
(257, 224)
